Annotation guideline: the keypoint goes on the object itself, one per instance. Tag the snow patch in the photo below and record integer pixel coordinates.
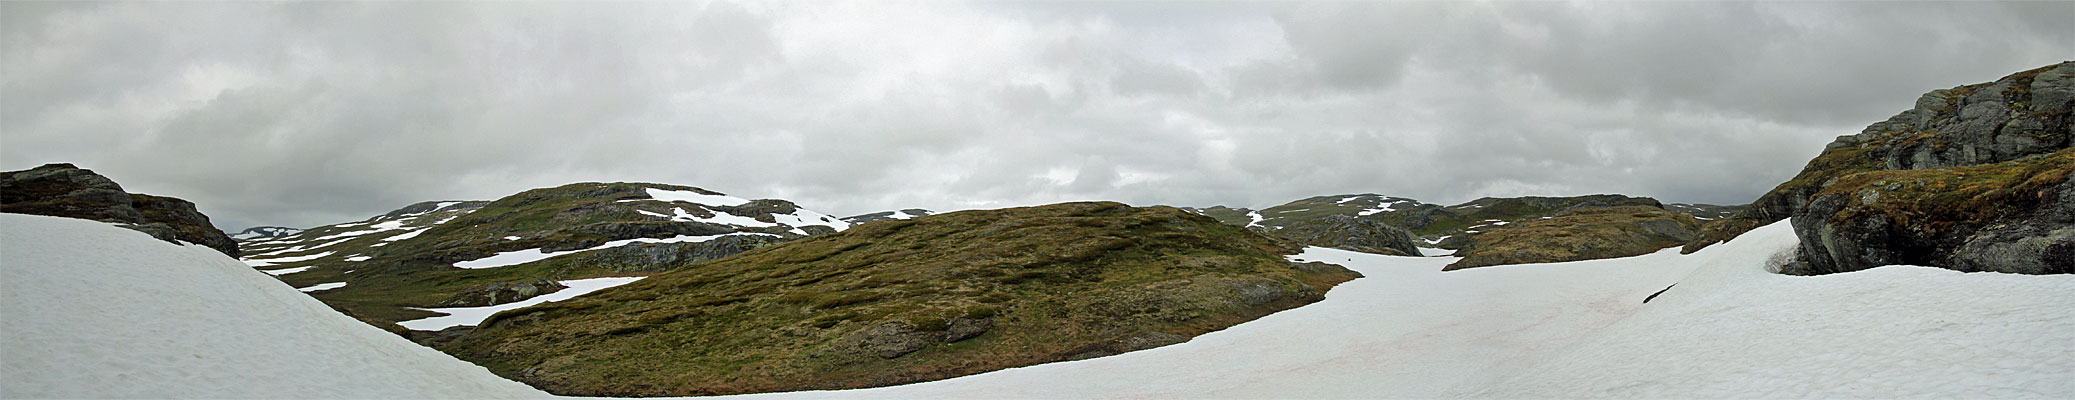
(517, 257)
(286, 271)
(285, 260)
(459, 316)
(406, 235)
(692, 197)
(359, 258)
(322, 287)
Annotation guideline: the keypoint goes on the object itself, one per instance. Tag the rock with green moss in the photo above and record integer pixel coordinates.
(899, 301)
(1578, 234)
(64, 190)
(2016, 216)
(2021, 115)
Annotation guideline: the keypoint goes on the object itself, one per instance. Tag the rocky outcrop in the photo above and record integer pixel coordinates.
(1579, 234)
(501, 292)
(2024, 114)
(2015, 217)
(652, 258)
(1348, 232)
(64, 190)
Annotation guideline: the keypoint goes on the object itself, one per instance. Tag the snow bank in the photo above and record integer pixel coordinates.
(459, 316)
(1734, 330)
(96, 311)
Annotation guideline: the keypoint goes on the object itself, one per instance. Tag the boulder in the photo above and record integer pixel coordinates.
(501, 293)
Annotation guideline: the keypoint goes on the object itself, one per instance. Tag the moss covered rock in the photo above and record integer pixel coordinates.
(902, 301)
(2016, 216)
(1580, 234)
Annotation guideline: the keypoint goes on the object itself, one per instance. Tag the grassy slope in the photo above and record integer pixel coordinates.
(884, 303)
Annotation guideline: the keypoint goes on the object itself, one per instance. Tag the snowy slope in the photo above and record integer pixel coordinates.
(95, 311)
(1579, 329)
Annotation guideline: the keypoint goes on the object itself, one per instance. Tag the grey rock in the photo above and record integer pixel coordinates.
(963, 328)
(889, 340)
(2054, 89)
(1259, 293)
(501, 293)
(1324, 268)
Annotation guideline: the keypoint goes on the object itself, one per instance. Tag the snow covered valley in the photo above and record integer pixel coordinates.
(98, 311)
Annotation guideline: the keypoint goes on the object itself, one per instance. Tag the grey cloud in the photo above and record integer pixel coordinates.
(310, 113)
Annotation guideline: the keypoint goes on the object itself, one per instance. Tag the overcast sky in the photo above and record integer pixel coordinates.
(304, 114)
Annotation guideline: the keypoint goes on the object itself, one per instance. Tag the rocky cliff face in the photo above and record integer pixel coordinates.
(2024, 114)
(63, 190)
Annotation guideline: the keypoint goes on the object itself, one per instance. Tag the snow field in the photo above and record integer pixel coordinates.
(96, 311)
(1729, 329)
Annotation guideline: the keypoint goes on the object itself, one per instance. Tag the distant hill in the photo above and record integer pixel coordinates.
(1397, 225)
(390, 267)
(264, 232)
